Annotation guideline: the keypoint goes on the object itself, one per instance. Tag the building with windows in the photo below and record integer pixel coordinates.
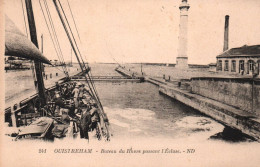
(244, 60)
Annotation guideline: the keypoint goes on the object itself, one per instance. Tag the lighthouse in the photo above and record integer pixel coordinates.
(182, 58)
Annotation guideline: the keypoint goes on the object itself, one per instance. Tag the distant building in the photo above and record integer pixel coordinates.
(16, 63)
(244, 60)
(57, 63)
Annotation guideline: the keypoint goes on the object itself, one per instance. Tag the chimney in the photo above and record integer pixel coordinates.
(226, 33)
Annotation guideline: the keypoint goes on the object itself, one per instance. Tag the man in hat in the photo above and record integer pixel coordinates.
(65, 91)
(81, 91)
(85, 121)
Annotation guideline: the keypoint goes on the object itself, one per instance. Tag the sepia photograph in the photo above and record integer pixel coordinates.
(130, 83)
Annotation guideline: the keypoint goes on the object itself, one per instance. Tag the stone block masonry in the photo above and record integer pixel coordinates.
(241, 93)
(228, 115)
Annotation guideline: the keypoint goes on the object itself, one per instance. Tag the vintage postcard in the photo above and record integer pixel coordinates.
(130, 83)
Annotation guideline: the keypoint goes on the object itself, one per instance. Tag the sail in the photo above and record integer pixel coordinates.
(17, 44)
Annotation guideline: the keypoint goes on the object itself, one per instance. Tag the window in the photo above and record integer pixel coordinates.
(241, 66)
(220, 65)
(226, 65)
(233, 66)
(251, 64)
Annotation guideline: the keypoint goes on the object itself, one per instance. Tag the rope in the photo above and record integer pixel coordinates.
(24, 19)
(55, 35)
(53, 29)
(71, 32)
(73, 20)
(75, 26)
(49, 31)
(58, 49)
(87, 75)
(88, 78)
(48, 28)
(111, 55)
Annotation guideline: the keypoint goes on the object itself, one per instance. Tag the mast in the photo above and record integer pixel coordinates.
(39, 84)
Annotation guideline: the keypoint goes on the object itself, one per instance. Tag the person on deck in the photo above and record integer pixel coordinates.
(59, 103)
(57, 87)
(81, 91)
(94, 117)
(65, 91)
(85, 122)
(70, 89)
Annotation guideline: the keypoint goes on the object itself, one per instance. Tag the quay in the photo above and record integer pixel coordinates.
(107, 79)
(234, 102)
(129, 74)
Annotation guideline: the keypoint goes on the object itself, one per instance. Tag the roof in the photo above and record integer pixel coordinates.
(252, 51)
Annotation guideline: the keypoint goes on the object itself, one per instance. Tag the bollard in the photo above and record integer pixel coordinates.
(50, 75)
(57, 74)
(163, 76)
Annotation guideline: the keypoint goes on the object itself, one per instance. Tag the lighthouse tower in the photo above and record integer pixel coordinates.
(182, 58)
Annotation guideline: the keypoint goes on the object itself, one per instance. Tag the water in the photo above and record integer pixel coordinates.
(137, 110)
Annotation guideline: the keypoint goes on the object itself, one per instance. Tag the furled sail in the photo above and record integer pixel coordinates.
(17, 44)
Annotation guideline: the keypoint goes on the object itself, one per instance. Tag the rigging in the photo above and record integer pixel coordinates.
(84, 69)
(71, 32)
(84, 66)
(54, 37)
(54, 33)
(73, 20)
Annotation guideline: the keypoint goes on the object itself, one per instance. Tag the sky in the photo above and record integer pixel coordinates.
(130, 31)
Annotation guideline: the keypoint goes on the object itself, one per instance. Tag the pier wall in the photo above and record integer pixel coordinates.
(229, 116)
(242, 93)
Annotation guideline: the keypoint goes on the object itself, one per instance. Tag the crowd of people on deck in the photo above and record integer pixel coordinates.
(73, 101)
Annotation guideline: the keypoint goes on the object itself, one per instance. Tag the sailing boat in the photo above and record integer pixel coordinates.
(43, 106)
